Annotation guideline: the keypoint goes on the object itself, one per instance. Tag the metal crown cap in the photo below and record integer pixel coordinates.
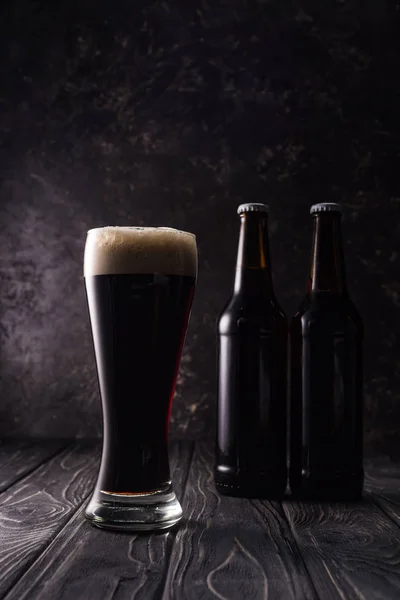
(325, 207)
(253, 207)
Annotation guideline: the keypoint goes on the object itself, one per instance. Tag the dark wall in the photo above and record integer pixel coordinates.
(172, 113)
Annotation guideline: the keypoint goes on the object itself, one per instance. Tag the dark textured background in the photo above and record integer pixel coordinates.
(172, 113)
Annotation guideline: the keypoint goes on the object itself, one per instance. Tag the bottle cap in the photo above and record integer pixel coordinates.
(325, 207)
(253, 207)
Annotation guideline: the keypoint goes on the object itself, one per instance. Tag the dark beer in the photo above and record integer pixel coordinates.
(139, 324)
(252, 369)
(139, 285)
(326, 375)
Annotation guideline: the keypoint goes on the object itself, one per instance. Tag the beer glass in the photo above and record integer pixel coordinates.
(139, 284)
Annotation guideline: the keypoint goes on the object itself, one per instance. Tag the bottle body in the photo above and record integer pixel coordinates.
(326, 396)
(252, 374)
(326, 400)
(251, 439)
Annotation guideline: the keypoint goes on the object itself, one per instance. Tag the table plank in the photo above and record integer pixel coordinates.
(34, 510)
(351, 551)
(18, 458)
(383, 482)
(232, 548)
(227, 548)
(86, 563)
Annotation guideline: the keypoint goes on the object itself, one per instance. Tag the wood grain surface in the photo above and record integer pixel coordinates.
(20, 457)
(34, 510)
(351, 551)
(224, 548)
(231, 548)
(86, 563)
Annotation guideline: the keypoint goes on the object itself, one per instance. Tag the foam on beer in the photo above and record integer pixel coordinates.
(131, 250)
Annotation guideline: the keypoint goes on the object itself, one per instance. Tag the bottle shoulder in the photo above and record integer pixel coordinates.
(334, 313)
(263, 312)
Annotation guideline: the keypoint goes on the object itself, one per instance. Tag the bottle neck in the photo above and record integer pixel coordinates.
(253, 268)
(327, 263)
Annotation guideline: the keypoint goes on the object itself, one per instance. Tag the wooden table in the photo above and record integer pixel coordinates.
(225, 548)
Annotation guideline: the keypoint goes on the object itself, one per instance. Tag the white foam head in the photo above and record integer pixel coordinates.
(130, 250)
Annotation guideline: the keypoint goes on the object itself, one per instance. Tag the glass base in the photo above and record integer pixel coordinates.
(134, 512)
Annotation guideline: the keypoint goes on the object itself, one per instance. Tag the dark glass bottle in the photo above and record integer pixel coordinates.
(326, 337)
(252, 370)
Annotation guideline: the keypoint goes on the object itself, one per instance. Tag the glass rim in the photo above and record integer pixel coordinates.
(139, 227)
